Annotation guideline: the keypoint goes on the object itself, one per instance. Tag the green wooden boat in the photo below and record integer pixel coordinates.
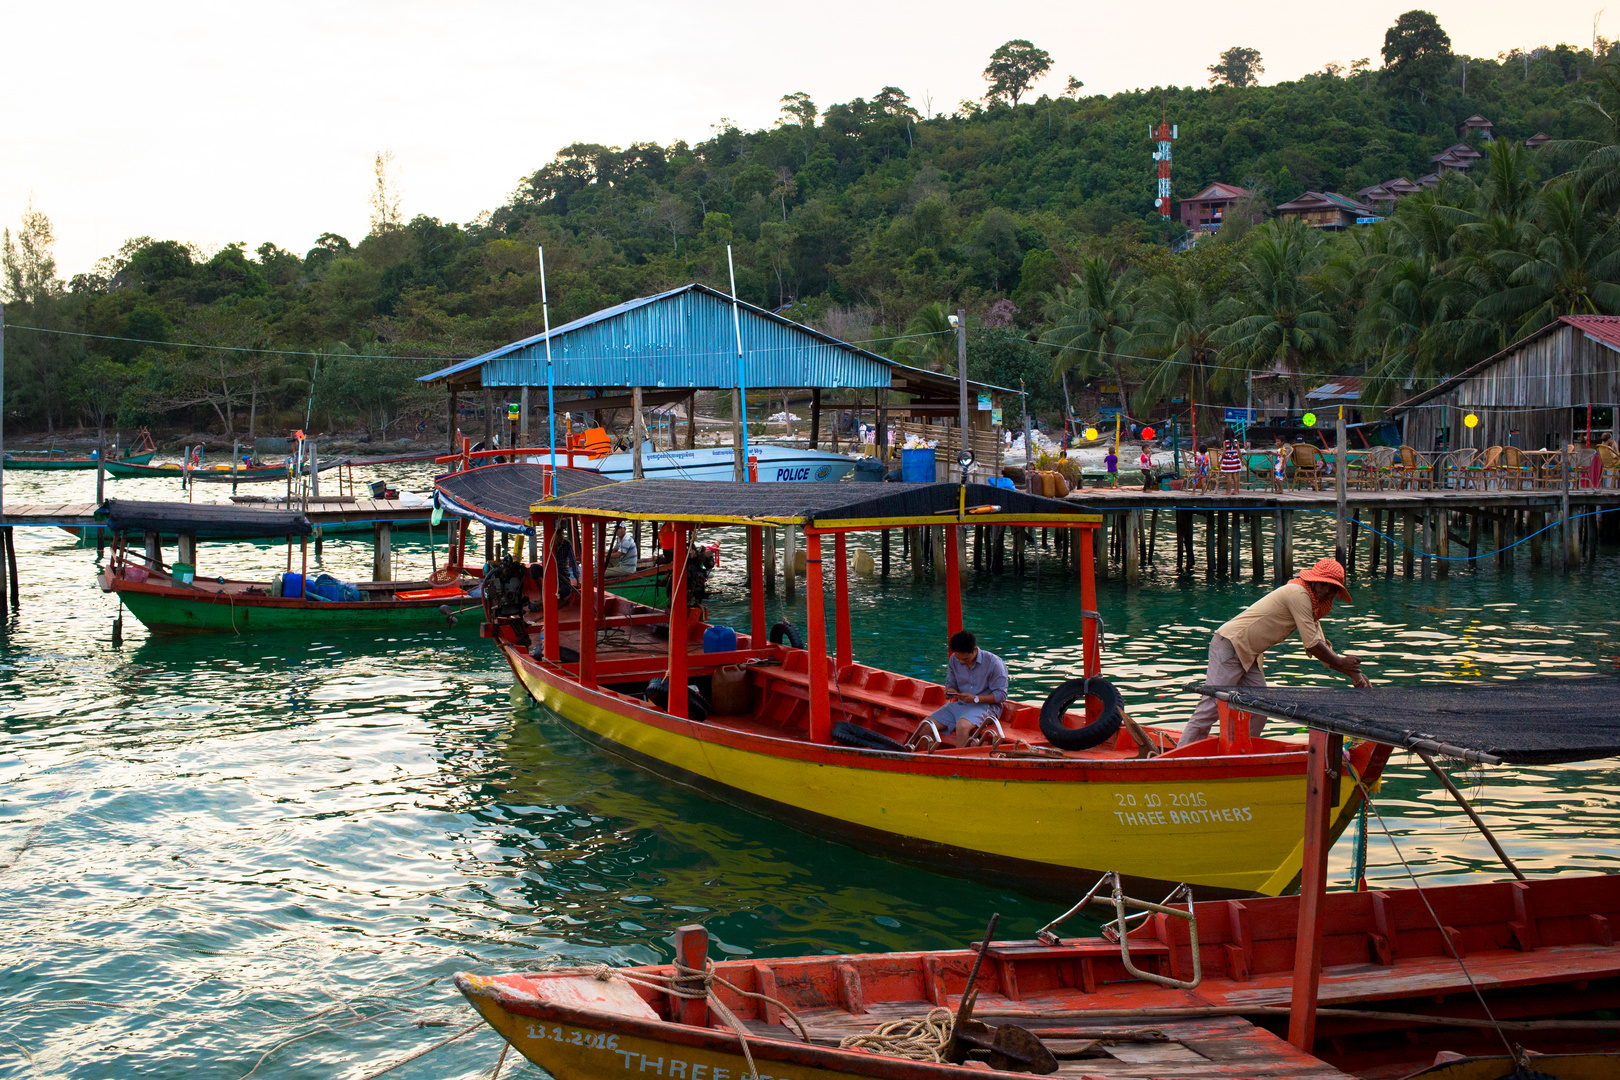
(166, 605)
(51, 461)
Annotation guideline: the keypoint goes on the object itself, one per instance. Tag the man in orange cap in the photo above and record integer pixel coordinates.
(1236, 649)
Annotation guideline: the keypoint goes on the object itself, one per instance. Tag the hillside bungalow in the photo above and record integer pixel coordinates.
(1476, 123)
(1205, 211)
(1558, 382)
(1540, 138)
(1459, 156)
(1389, 192)
(1327, 210)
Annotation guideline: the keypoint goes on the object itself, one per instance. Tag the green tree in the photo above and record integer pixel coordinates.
(1176, 324)
(1089, 321)
(1573, 266)
(929, 339)
(1417, 53)
(1013, 69)
(797, 108)
(1238, 66)
(1280, 317)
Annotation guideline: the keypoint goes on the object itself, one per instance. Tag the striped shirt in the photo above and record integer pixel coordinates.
(1231, 460)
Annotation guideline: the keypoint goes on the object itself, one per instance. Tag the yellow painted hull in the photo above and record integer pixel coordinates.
(1226, 826)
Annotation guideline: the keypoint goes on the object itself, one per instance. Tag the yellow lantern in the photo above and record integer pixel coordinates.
(1471, 420)
(1310, 419)
(1091, 434)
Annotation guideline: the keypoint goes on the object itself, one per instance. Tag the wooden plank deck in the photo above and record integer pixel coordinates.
(1118, 499)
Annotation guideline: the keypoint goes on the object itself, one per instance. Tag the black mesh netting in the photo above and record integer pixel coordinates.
(1523, 721)
(500, 495)
(823, 504)
(203, 520)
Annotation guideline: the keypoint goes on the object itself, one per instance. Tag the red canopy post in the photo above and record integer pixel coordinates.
(548, 588)
(677, 623)
(953, 583)
(1091, 648)
(587, 605)
(1319, 792)
(756, 585)
(846, 651)
(816, 628)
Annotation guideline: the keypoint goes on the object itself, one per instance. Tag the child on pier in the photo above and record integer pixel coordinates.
(1111, 463)
(1200, 471)
(1231, 466)
(1279, 469)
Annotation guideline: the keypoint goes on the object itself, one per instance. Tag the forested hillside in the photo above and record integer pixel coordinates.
(870, 219)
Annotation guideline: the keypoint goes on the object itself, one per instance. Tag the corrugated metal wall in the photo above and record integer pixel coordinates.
(1532, 390)
(686, 340)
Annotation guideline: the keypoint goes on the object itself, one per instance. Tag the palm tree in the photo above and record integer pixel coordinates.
(1598, 173)
(1572, 266)
(1177, 325)
(1088, 322)
(1413, 326)
(1280, 317)
(929, 339)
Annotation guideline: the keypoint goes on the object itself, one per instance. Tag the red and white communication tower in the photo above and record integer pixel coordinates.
(1165, 133)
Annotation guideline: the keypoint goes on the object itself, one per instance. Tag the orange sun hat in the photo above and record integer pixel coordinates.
(1328, 572)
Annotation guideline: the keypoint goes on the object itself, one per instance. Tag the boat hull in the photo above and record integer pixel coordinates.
(179, 610)
(1227, 830)
(46, 464)
(775, 464)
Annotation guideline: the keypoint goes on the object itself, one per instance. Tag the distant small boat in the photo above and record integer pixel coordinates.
(57, 460)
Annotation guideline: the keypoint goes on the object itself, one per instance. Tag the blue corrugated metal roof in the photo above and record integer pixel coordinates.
(683, 337)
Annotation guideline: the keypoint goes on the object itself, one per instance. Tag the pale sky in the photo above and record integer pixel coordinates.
(213, 123)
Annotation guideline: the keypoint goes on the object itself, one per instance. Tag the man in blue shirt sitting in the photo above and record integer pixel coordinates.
(975, 683)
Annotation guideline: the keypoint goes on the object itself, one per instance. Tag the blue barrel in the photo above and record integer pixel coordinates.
(917, 466)
(719, 639)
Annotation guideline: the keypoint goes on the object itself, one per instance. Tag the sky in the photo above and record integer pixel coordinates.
(219, 123)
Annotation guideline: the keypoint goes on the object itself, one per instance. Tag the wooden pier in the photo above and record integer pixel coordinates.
(1427, 531)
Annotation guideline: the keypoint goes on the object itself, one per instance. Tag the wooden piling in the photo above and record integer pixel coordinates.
(939, 540)
(1237, 544)
(1355, 538)
(382, 555)
(1133, 563)
(790, 561)
(1426, 539)
(769, 560)
(1211, 563)
(884, 543)
(1288, 545)
(1373, 541)
(1442, 545)
(1408, 527)
(1153, 535)
(1277, 547)
(915, 535)
(1256, 551)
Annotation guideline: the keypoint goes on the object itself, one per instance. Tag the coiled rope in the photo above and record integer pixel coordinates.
(690, 984)
(919, 1039)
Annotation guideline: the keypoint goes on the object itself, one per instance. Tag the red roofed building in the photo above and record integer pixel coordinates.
(1554, 382)
(1205, 211)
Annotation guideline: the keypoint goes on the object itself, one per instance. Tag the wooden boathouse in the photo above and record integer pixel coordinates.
(1560, 383)
(664, 349)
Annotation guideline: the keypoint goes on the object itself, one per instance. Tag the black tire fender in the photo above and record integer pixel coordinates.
(786, 629)
(1098, 731)
(847, 734)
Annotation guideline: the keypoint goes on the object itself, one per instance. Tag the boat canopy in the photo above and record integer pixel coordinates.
(1520, 722)
(500, 495)
(202, 520)
(822, 506)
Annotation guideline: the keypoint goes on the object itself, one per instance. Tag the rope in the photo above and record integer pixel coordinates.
(408, 1058)
(690, 984)
(1366, 801)
(918, 1039)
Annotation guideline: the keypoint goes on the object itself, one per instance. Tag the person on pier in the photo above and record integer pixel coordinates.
(975, 683)
(1237, 648)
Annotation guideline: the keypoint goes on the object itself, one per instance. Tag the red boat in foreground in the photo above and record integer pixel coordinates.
(1462, 982)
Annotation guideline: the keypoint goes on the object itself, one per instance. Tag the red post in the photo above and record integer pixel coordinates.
(756, 586)
(692, 953)
(1091, 649)
(678, 624)
(846, 651)
(816, 628)
(953, 583)
(548, 588)
(587, 605)
(1312, 896)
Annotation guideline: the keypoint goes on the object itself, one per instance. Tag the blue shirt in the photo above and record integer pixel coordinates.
(987, 676)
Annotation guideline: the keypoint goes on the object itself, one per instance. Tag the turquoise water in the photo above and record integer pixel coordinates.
(215, 849)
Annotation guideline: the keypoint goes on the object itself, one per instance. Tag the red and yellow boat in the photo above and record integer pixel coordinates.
(813, 737)
(1494, 980)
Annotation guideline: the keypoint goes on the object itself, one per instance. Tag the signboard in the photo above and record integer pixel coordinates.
(995, 417)
(1368, 220)
(1237, 416)
(984, 402)
(1109, 414)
